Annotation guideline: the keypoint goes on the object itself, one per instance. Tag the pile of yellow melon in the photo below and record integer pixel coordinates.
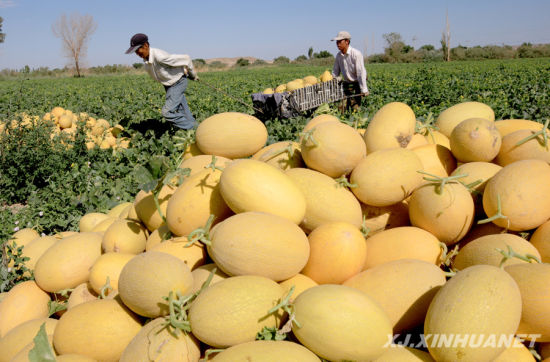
(99, 132)
(398, 228)
(299, 83)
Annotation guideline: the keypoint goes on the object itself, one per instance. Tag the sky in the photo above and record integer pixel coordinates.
(262, 29)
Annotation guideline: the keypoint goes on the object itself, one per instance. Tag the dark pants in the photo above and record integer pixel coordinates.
(351, 88)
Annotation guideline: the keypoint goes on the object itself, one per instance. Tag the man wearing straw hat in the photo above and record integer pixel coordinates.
(349, 63)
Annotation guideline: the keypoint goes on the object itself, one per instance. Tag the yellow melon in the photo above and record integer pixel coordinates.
(452, 116)
(193, 256)
(333, 148)
(149, 277)
(194, 201)
(436, 159)
(266, 351)
(326, 200)
(480, 304)
(512, 151)
(337, 252)
(24, 302)
(231, 135)
(406, 242)
(483, 250)
(532, 280)
(475, 139)
(447, 212)
(124, 236)
(160, 343)
(108, 265)
(341, 323)
(506, 126)
(100, 329)
(254, 243)
(392, 126)
(242, 303)
(404, 288)
(67, 263)
(202, 273)
(524, 193)
(18, 337)
(386, 177)
(252, 185)
(197, 163)
(283, 155)
(540, 239)
(146, 209)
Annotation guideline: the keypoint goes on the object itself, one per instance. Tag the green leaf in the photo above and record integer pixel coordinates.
(41, 351)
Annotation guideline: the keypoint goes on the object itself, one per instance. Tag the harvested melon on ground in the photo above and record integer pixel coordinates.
(475, 139)
(452, 116)
(333, 148)
(242, 303)
(506, 126)
(521, 192)
(149, 277)
(254, 243)
(326, 200)
(392, 126)
(266, 351)
(485, 250)
(99, 329)
(540, 239)
(339, 323)
(386, 177)
(283, 155)
(481, 301)
(191, 205)
(524, 145)
(445, 211)
(404, 288)
(231, 135)
(337, 252)
(252, 185)
(436, 159)
(24, 302)
(406, 242)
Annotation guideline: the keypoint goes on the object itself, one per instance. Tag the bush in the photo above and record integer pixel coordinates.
(281, 60)
(28, 158)
(241, 62)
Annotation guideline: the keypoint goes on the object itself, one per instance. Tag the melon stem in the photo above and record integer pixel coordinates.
(439, 181)
(201, 234)
(510, 253)
(498, 215)
(542, 132)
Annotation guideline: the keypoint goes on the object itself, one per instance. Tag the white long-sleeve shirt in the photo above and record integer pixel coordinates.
(352, 67)
(168, 68)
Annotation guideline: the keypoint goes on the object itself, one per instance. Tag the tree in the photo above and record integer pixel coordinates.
(75, 33)
(310, 52)
(427, 47)
(323, 54)
(281, 60)
(300, 58)
(395, 47)
(446, 39)
(2, 35)
(241, 62)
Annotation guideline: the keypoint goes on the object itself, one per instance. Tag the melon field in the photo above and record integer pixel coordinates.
(416, 229)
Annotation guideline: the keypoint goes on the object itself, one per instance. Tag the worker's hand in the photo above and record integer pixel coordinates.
(196, 79)
(365, 94)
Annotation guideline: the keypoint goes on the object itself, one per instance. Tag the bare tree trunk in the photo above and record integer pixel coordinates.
(448, 36)
(75, 33)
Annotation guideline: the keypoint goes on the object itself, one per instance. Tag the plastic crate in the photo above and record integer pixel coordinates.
(313, 96)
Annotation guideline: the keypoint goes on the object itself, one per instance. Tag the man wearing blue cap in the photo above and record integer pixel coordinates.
(350, 64)
(172, 71)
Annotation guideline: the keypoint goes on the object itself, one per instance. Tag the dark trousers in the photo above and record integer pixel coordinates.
(351, 88)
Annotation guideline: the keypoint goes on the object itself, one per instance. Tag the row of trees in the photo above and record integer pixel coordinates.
(397, 51)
